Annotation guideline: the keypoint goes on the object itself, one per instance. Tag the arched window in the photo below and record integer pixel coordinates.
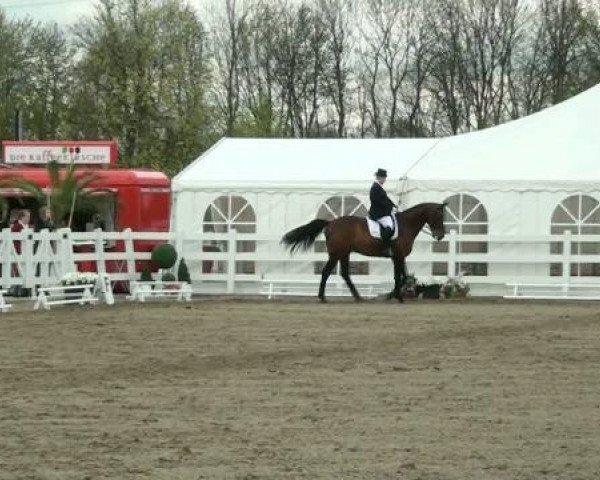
(467, 215)
(224, 213)
(580, 215)
(335, 207)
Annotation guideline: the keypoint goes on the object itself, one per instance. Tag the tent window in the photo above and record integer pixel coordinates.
(223, 214)
(335, 207)
(468, 216)
(580, 215)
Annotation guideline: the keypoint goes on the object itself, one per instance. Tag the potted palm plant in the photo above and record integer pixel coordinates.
(69, 190)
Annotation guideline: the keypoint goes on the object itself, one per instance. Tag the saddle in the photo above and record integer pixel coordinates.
(375, 228)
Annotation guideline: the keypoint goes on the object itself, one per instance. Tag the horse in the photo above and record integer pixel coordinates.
(348, 234)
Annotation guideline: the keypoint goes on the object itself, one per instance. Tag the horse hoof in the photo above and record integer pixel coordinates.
(358, 299)
(322, 300)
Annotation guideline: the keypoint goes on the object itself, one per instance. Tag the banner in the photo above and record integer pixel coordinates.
(41, 154)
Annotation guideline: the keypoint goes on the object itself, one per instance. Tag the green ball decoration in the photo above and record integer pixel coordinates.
(164, 255)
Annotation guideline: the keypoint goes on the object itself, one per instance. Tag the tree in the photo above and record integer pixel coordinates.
(49, 83)
(15, 63)
(262, 121)
(394, 66)
(528, 86)
(490, 31)
(335, 15)
(144, 79)
(474, 51)
(591, 68)
(262, 92)
(299, 68)
(564, 26)
(228, 43)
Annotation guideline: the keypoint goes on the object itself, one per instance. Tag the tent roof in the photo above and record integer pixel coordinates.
(560, 144)
(283, 162)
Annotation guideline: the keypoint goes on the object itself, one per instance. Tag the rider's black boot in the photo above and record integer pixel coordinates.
(386, 235)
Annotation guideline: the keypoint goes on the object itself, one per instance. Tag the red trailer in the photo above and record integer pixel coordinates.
(130, 198)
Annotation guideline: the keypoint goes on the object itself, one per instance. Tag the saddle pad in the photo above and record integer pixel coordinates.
(375, 231)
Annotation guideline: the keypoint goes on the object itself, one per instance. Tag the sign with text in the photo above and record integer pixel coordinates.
(40, 153)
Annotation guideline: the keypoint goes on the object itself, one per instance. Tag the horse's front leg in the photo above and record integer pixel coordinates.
(398, 279)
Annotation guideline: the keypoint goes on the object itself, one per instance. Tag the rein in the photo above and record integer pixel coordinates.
(427, 230)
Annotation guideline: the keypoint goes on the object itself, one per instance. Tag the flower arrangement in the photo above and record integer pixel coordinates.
(429, 289)
(409, 287)
(79, 278)
(456, 287)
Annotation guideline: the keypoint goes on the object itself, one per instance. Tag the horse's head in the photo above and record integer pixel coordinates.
(435, 220)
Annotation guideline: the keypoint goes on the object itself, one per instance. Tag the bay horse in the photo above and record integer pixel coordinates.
(351, 234)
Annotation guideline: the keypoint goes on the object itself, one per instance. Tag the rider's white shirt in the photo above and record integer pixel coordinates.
(386, 221)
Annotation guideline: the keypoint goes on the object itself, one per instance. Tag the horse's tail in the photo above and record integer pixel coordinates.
(303, 237)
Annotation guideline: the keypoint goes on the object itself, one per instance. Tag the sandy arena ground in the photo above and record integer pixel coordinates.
(252, 389)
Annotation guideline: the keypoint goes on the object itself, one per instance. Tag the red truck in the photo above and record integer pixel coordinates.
(131, 198)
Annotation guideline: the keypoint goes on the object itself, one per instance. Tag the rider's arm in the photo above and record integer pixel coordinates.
(390, 202)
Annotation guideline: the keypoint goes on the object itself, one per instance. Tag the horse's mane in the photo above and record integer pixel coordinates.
(418, 206)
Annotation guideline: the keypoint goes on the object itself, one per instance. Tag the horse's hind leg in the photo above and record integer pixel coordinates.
(329, 266)
(345, 263)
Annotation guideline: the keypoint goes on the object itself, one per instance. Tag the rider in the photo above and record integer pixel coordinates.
(381, 209)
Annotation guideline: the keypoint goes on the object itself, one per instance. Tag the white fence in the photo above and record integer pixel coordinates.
(239, 262)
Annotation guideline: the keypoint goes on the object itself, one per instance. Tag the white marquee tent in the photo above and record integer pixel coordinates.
(530, 176)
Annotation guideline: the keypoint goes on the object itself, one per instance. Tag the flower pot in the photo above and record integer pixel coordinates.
(409, 293)
(431, 291)
(455, 292)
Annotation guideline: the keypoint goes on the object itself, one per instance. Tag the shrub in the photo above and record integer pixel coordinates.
(164, 255)
(183, 274)
(146, 274)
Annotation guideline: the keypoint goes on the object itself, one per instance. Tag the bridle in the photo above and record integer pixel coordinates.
(427, 231)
